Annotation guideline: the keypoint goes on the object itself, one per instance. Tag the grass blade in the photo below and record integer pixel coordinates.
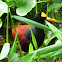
(17, 36)
(36, 24)
(30, 48)
(41, 51)
(57, 53)
(46, 41)
(45, 1)
(32, 58)
(54, 54)
(14, 44)
(33, 39)
(56, 31)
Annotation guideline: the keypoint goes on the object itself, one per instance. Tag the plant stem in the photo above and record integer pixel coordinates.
(41, 1)
(47, 7)
(17, 36)
(7, 34)
(60, 13)
(36, 7)
(14, 42)
(54, 15)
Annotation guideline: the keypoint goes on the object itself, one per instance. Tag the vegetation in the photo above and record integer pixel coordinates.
(11, 14)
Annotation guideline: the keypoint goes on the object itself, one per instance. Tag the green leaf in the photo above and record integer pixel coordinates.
(5, 51)
(14, 56)
(58, 56)
(0, 23)
(25, 6)
(58, 16)
(8, 0)
(56, 1)
(14, 47)
(25, 58)
(48, 55)
(56, 31)
(46, 41)
(54, 6)
(41, 51)
(57, 53)
(33, 39)
(3, 7)
(41, 1)
(36, 24)
(11, 3)
(33, 56)
(1, 13)
(54, 54)
(30, 48)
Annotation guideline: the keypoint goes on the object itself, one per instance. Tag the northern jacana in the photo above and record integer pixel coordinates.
(24, 33)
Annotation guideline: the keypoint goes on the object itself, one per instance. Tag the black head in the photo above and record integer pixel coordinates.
(38, 18)
(41, 17)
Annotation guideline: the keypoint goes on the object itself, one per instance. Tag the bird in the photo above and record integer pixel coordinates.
(24, 33)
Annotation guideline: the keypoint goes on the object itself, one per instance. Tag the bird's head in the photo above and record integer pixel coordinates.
(41, 17)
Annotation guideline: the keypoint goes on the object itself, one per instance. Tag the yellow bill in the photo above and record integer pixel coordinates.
(47, 18)
(50, 19)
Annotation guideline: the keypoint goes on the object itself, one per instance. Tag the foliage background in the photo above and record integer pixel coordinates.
(15, 12)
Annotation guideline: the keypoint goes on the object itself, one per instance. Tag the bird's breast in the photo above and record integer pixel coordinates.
(23, 33)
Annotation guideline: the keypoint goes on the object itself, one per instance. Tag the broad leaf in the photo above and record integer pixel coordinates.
(1, 13)
(54, 6)
(25, 6)
(3, 7)
(11, 3)
(5, 51)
